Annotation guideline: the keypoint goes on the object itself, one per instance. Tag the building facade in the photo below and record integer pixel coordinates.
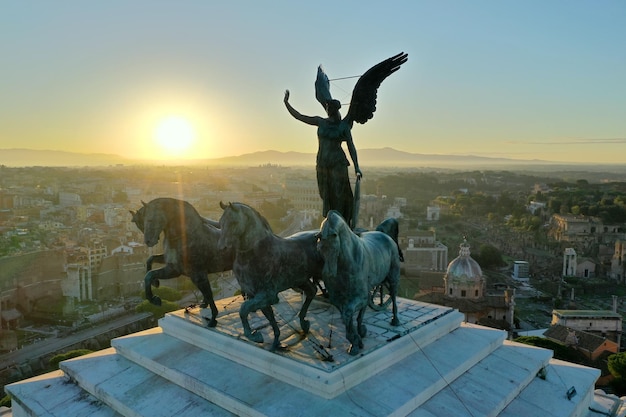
(604, 323)
(569, 262)
(521, 271)
(618, 262)
(424, 253)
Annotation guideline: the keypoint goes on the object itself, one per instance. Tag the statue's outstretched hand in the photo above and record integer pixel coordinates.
(358, 172)
(286, 99)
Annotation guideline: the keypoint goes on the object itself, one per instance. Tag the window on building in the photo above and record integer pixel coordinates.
(463, 293)
(476, 293)
(450, 291)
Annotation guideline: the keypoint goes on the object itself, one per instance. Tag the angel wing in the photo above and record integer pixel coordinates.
(363, 103)
(322, 87)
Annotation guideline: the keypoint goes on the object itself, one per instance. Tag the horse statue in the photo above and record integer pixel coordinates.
(266, 264)
(353, 265)
(391, 228)
(189, 247)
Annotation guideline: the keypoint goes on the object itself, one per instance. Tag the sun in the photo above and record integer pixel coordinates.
(174, 134)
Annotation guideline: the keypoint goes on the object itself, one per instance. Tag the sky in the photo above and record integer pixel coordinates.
(205, 79)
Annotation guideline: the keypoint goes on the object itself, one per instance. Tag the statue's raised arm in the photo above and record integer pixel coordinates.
(363, 103)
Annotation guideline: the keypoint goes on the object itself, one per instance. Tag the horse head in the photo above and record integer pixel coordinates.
(154, 222)
(242, 227)
(329, 242)
(232, 225)
(138, 217)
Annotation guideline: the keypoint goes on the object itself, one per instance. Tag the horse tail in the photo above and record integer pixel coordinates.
(391, 228)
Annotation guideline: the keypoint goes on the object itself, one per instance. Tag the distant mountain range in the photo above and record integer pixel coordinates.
(32, 157)
(372, 157)
(384, 157)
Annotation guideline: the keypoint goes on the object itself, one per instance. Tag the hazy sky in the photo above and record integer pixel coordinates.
(520, 79)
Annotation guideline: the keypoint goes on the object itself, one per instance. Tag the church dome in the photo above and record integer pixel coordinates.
(463, 267)
(464, 278)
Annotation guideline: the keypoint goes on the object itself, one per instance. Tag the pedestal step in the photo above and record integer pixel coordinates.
(431, 365)
(400, 387)
(132, 390)
(488, 387)
(53, 394)
(313, 362)
(549, 396)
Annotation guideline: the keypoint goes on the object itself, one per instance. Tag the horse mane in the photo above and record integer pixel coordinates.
(172, 208)
(336, 221)
(185, 206)
(258, 215)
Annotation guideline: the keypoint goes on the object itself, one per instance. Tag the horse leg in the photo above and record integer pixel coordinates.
(248, 306)
(351, 333)
(394, 320)
(160, 259)
(362, 329)
(167, 272)
(309, 293)
(393, 291)
(201, 281)
(268, 311)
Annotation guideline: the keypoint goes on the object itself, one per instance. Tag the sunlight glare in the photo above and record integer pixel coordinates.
(175, 134)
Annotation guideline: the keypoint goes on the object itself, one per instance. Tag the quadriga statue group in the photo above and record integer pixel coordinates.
(350, 266)
(353, 267)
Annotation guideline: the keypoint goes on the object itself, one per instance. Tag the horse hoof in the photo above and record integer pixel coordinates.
(353, 350)
(155, 300)
(279, 346)
(204, 304)
(256, 337)
(305, 326)
(395, 321)
(211, 322)
(156, 284)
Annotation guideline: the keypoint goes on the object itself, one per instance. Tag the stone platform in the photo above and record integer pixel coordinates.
(318, 362)
(433, 364)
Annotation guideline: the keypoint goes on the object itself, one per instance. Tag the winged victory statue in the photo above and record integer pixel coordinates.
(331, 164)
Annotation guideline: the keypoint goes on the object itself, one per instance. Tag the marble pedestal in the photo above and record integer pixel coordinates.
(433, 364)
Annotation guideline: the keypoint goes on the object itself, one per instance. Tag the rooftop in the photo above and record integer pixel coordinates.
(433, 364)
(587, 313)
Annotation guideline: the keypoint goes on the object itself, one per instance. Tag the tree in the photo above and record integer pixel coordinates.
(617, 365)
(617, 368)
(534, 223)
(157, 311)
(56, 359)
(560, 351)
(489, 256)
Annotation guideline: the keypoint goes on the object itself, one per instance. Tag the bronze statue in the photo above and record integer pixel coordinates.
(353, 266)
(332, 165)
(189, 244)
(266, 264)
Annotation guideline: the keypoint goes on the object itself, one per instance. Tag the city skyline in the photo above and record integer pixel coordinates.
(195, 80)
